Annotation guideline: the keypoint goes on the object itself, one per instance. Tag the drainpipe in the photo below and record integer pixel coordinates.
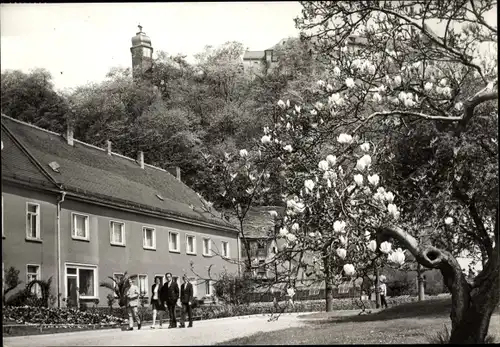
(59, 202)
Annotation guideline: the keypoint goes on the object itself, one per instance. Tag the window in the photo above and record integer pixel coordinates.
(32, 221)
(207, 247)
(149, 238)
(117, 233)
(146, 52)
(32, 274)
(143, 285)
(82, 278)
(173, 241)
(261, 271)
(190, 244)
(80, 229)
(225, 249)
(208, 287)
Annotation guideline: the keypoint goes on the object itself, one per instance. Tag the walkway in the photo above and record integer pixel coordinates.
(203, 333)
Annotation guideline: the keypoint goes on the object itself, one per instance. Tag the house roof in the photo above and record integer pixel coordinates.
(89, 171)
(258, 222)
(254, 55)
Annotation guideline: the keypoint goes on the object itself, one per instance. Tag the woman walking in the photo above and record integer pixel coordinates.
(155, 301)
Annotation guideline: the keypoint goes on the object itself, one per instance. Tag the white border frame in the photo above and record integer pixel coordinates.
(87, 226)
(178, 249)
(124, 243)
(144, 227)
(85, 267)
(38, 214)
(210, 253)
(194, 244)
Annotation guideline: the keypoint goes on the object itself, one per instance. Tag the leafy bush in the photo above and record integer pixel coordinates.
(43, 315)
(233, 289)
(119, 287)
(11, 281)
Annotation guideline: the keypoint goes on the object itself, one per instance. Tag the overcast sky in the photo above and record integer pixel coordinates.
(81, 42)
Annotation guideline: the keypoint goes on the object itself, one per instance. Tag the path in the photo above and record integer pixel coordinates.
(203, 333)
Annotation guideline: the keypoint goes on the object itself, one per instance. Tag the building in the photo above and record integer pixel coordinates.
(142, 55)
(260, 62)
(79, 213)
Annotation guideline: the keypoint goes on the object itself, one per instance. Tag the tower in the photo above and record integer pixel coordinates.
(142, 55)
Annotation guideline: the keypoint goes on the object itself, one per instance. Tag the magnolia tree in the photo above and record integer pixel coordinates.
(390, 66)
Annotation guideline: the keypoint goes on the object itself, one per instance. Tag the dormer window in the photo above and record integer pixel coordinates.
(54, 166)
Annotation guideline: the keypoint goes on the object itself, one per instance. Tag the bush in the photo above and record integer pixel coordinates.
(43, 315)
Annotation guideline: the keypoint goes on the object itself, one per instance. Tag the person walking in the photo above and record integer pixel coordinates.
(187, 302)
(156, 302)
(132, 303)
(383, 293)
(169, 294)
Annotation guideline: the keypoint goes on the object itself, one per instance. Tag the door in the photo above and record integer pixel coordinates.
(72, 296)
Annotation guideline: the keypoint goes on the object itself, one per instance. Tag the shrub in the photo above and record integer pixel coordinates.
(119, 287)
(11, 281)
(233, 289)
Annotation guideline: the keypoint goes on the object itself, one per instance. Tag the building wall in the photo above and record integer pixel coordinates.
(17, 251)
(133, 258)
(254, 65)
(98, 251)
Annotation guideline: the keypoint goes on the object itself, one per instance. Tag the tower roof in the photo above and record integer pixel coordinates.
(141, 39)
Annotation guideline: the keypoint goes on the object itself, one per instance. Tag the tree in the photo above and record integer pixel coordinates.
(119, 287)
(402, 72)
(11, 281)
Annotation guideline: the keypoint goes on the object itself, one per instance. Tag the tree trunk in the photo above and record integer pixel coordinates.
(473, 308)
(377, 286)
(420, 282)
(328, 286)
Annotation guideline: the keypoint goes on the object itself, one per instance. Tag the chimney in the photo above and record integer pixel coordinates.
(140, 159)
(178, 172)
(109, 147)
(69, 134)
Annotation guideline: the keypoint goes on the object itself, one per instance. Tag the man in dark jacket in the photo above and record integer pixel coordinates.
(170, 294)
(187, 302)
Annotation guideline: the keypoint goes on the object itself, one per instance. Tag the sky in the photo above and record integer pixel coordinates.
(79, 43)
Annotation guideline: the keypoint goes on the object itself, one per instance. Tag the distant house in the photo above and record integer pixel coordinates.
(79, 213)
(260, 62)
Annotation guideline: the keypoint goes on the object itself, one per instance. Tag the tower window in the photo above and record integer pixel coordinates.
(146, 52)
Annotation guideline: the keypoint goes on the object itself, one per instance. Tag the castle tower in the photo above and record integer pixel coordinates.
(142, 55)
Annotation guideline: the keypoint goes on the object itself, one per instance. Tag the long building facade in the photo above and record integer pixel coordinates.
(79, 214)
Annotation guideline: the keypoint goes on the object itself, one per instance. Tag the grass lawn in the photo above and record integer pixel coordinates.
(403, 324)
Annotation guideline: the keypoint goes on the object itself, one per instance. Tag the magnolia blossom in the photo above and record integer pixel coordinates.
(297, 108)
(243, 153)
(397, 81)
(329, 88)
(309, 184)
(339, 226)
(314, 112)
(459, 106)
(318, 105)
(331, 159)
(443, 82)
(344, 138)
(281, 104)
(291, 237)
(273, 213)
(349, 269)
(448, 221)
(385, 247)
(265, 139)
(389, 197)
(283, 231)
(336, 71)
(343, 240)
(342, 253)
(374, 180)
(377, 98)
(295, 206)
(363, 162)
(428, 86)
(397, 257)
(358, 179)
(321, 83)
(290, 292)
(393, 211)
(372, 246)
(335, 99)
(349, 82)
(295, 227)
(365, 147)
(288, 148)
(323, 165)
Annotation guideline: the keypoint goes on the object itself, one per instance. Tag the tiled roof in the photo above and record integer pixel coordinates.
(249, 55)
(90, 171)
(258, 222)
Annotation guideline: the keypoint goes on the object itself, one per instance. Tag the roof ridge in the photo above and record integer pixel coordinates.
(31, 125)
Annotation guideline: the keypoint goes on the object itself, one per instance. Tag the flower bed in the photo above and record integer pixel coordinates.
(42, 315)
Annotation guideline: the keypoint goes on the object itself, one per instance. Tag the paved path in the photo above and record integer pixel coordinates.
(203, 333)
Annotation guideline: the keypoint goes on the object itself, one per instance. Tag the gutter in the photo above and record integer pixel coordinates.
(60, 200)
